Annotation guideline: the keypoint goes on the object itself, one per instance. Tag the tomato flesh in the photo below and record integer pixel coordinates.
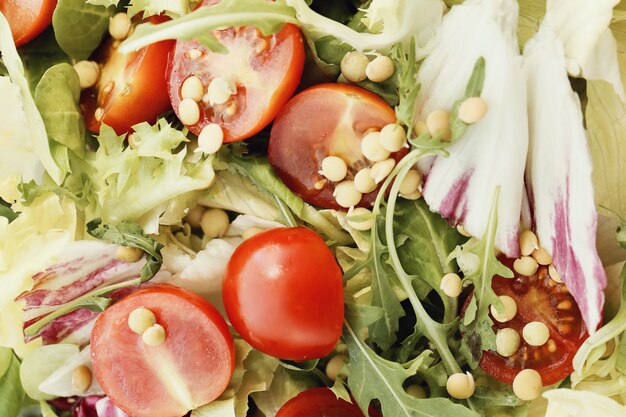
(283, 293)
(325, 120)
(538, 298)
(318, 402)
(264, 70)
(191, 368)
(125, 81)
(27, 18)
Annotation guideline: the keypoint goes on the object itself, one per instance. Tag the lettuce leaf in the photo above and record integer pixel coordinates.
(567, 403)
(10, 387)
(490, 154)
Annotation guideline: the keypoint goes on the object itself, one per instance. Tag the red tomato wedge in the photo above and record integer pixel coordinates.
(132, 88)
(191, 368)
(27, 18)
(326, 120)
(538, 298)
(262, 71)
(318, 402)
(283, 293)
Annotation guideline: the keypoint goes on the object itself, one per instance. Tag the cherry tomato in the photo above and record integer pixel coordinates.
(318, 402)
(191, 368)
(538, 298)
(262, 71)
(27, 18)
(283, 293)
(325, 120)
(132, 88)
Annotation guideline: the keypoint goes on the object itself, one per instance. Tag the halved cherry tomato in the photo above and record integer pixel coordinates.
(538, 298)
(264, 71)
(191, 368)
(326, 120)
(132, 88)
(318, 402)
(27, 18)
(283, 294)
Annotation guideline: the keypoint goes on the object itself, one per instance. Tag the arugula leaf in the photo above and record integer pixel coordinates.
(269, 17)
(473, 89)
(6, 211)
(154, 7)
(131, 235)
(408, 87)
(79, 26)
(12, 393)
(479, 264)
(372, 377)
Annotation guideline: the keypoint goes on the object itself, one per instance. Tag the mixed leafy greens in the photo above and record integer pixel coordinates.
(72, 198)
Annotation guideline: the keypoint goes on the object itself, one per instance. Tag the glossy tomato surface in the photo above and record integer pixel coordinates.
(325, 120)
(283, 293)
(192, 367)
(264, 72)
(132, 87)
(27, 18)
(538, 298)
(318, 402)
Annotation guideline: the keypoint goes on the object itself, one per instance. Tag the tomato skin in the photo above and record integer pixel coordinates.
(283, 293)
(318, 402)
(265, 78)
(27, 18)
(537, 298)
(197, 357)
(140, 86)
(327, 119)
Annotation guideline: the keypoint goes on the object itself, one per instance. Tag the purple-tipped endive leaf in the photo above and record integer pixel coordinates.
(492, 152)
(559, 175)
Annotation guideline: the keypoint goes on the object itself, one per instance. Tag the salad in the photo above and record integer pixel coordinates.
(307, 208)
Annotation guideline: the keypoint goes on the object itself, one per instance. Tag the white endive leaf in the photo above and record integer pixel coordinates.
(573, 403)
(492, 152)
(559, 175)
(590, 48)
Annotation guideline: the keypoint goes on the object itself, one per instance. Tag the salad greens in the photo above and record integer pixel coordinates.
(73, 198)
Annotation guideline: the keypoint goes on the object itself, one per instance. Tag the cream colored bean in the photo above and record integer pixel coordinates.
(353, 66)
(413, 196)
(438, 123)
(554, 274)
(210, 139)
(451, 285)
(128, 254)
(372, 148)
(461, 386)
(188, 112)
(214, 223)
(360, 218)
(526, 266)
(82, 378)
(507, 342)
(472, 110)
(364, 182)
(88, 73)
(141, 319)
(334, 168)
(220, 91)
(381, 170)
(527, 385)
(192, 88)
(536, 333)
(420, 128)
(154, 336)
(119, 26)
(194, 216)
(346, 194)
(510, 309)
(411, 182)
(542, 256)
(380, 69)
(528, 242)
(335, 365)
(393, 137)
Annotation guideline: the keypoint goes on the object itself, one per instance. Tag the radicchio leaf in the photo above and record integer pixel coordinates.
(492, 152)
(559, 175)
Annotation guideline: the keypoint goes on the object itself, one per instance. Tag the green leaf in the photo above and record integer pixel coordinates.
(46, 410)
(473, 89)
(6, 211)
(154, 7)
(11, 392)
(477, 259)
(408, 87)
(79, 26)
(285, 385)
(57, 97)
(269, 17)
(372, 377)
(40, 54)
(40, 364)
(6, 358)
(131, 235)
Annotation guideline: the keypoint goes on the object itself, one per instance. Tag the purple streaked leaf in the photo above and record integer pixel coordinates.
(559, 175)
(492, 152)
